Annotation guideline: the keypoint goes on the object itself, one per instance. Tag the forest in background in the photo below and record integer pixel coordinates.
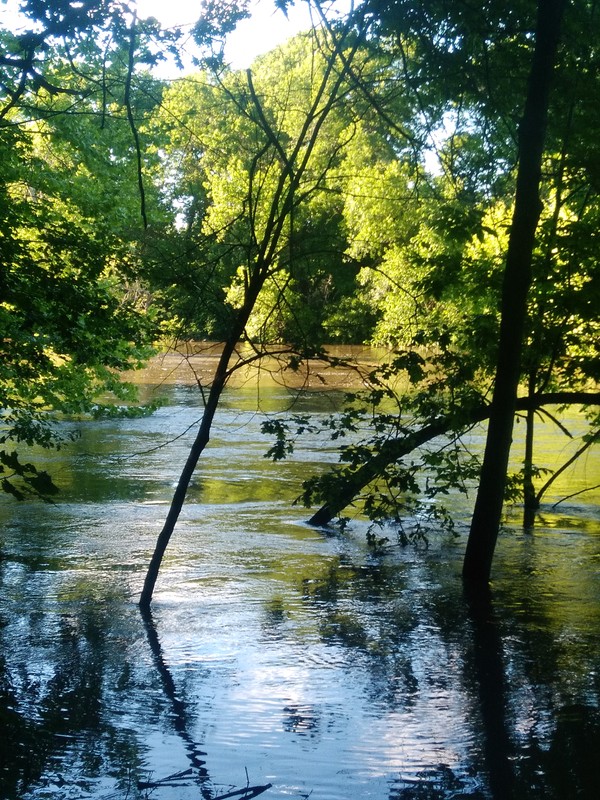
(363, 183)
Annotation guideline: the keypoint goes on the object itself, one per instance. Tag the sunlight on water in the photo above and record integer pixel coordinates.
(276, 653)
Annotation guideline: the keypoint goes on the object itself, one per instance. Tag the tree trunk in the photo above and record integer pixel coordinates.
(530, 501)
(517, 279)
(220, 378)
(200, 442)
(352, 483)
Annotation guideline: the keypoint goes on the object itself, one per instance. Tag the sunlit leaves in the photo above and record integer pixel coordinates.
(73, 310)
(260, 187)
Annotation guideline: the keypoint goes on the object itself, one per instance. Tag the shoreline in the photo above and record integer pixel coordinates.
(196, 364)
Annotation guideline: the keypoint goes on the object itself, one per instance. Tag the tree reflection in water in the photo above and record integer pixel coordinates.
(65, 698)
(64, 668)
(489, 676)
(179, 707)
(198, 772)
(501, 657)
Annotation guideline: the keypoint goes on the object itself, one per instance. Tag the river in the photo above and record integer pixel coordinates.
(279, 654)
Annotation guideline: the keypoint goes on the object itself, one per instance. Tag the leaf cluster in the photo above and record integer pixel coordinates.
(74, 311)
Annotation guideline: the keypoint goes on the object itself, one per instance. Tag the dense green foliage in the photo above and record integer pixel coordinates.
(435, 244)
(357, 185)
(73, 309)
(229, 138)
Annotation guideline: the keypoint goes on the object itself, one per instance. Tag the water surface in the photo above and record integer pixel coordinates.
(278, 654)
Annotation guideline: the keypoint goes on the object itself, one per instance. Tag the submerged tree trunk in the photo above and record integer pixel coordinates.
(353, 482)
(220, 378)
(530, 501)
(517, 279)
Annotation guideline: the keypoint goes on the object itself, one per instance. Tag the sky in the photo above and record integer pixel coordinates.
(267, 28)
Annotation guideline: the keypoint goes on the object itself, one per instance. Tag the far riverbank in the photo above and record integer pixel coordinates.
(194, 363)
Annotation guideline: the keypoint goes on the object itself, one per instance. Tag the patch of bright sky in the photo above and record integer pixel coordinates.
(265, 29)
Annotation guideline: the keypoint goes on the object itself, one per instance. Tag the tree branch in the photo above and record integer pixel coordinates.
(352, 482)
(130, 118)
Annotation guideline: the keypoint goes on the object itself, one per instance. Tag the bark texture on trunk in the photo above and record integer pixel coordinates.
(517, 280)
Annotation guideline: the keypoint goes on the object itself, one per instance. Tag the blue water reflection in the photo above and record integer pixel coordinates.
(277, 654)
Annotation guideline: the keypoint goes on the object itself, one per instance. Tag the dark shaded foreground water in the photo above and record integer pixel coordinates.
(276, 653)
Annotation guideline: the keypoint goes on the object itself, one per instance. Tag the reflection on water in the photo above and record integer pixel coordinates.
(277, 654)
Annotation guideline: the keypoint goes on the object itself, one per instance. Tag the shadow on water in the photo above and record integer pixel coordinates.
(326, 669)
(557, 762)
(197, 773)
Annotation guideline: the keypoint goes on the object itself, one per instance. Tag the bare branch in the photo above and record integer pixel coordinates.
(132, 125)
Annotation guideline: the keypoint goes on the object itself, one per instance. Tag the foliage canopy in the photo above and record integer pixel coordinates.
(356, 185)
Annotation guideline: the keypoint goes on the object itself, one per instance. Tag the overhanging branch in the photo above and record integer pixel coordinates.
(353, 482)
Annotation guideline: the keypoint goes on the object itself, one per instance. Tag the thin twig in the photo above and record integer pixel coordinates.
(130, 117)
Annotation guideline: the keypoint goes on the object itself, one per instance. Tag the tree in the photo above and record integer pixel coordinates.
(516, 285)
(254, 200)
(449, 267)
(210, 141)
(71, 312)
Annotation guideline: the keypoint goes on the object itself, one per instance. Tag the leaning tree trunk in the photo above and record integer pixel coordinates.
(517, 280)
(219, 382)
(351, 483)
(200, 442)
